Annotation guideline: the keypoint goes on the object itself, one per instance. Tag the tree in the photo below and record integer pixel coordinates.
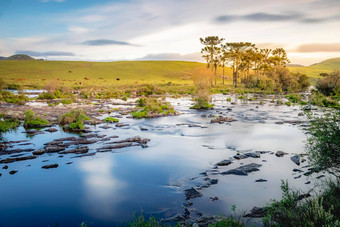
(211, 49)
(223, 57)
(279, 57)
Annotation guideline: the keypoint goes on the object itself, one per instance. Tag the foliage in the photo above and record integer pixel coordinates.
(140, 221)
(330, 84)
(46, 95)
(324, 141)
(9, 97)
(7, 124)
(290, 211)
(151, 107)
(74, 119)
(111, 120)
(202, 78)
(31, 121)
(229, 222)
(319, 99)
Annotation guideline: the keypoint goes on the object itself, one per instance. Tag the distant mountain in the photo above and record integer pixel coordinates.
(2, 58)
(295, 65)
(20, 57)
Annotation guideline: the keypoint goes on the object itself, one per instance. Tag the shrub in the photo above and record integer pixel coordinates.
(31, 121)
(152, 107)
(324, 141)
(202, 78)
(46, 95)
(288, 103)
(7, 124)
(111, 120)
(74, 119)
(330, 84)
(9, 97)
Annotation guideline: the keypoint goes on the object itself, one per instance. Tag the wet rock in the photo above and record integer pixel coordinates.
(105, 127)
(33, 132)
(14, 151)
(53, 149)
(300, 114)
(297, 177)
(121, 125)
(5, 167)
(67, 139)
(191, 193)
(296, 159)
(280, 153)
(54, 143)
(68, 163)
(203, 115)
(78, 150)
(318, 177)
(143, 129)
(224, 163)
(13, 172)
(3, 146)
(308, 182)
(10, 160)
(297, 170)
(256, 212)
(39, 152)
(144, 145)
(0, 174)
(303, 196)
(130, 140)
(261, 180)
(84, 155)
(214, 198)
(253, 154)
(239, 156)
(50, 166)
(243, 170)
(116, 146)
(213, 181)
(51, 130)
(222, 119)
(279, 122)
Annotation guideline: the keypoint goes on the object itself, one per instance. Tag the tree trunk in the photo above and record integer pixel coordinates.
(233, 73)
(236, 74)
(215, 73)
(223, 74)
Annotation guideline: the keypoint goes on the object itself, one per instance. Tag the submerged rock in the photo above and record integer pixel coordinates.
(50, 166)
(222, 119)
(191, 193)
(78, 150)
(224, 163)
(13, 172)
(296, 159)
(243, 170)
(52, 149)
(261, 180)
(10, 160)
(280, 153)
(256, 212)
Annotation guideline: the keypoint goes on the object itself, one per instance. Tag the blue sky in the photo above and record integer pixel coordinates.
(166, 29)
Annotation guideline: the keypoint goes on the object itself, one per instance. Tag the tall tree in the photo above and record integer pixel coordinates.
(211, 49)
(279, 57)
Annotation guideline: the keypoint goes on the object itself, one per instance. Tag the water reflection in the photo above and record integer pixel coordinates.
(102, 190)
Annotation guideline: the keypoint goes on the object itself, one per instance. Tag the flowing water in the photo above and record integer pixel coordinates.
(108, 188)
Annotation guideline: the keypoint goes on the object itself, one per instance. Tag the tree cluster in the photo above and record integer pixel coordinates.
(251, 65)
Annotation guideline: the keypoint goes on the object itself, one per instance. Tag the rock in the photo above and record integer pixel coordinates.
(143, 129)
(78, 150)
(5, 167)
(10, 160)
(144, 145)
(297, 177)
(191, 193)
(121, 125)
(130, 140)
(303, 196)
(297, 170)
(224, 163)
(318, 177)
(13, 172)
(0, 174)
(52, 149)
(296, 159)
(213, 181)
(300, 114)
(261, 180)
(111, 147)
(222, 120)
(39, 152)
(239, 156)
(253, 154)
(68, 163)
(50, 166)
(214, 198)
(280, 153)
(308, 182)
(51, 130)
(14, 151)
(243, 170)
(256, 212)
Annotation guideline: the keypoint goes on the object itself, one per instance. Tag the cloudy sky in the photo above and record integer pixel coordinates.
(103, 30)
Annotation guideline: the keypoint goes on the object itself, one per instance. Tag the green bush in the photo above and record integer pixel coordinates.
(31, 121)
(111, 120)
(330, 84)
(9, 97)
(7, 124)
(74, 119)
(288, 103)
(151, 107)
(229, 222)
(46, 95)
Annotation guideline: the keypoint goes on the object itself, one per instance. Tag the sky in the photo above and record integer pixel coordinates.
(103, 30)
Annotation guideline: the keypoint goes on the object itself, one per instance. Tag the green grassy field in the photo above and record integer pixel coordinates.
(75, 73)
(89, 73)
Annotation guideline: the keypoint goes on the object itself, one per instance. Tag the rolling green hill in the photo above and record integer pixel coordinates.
(314, 70)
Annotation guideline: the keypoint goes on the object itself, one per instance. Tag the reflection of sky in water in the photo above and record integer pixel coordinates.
(102, 189)
(108, 188)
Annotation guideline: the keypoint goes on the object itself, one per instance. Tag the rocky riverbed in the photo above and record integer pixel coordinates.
(190, 168)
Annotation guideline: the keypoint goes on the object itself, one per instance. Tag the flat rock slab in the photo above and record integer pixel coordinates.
(50, 166)
(243, 170)
(224, 163)
(280, 153)
(296, 159)
(10, 160)
(256, 212)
